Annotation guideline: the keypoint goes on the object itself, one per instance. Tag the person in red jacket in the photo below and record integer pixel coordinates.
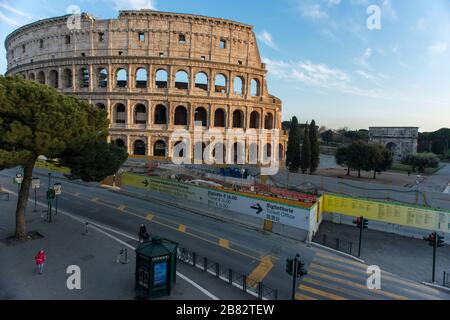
(40, 260)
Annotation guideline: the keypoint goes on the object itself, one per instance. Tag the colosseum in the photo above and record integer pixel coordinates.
(160, 75)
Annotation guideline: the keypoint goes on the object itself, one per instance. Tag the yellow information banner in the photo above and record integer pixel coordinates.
(389, 212)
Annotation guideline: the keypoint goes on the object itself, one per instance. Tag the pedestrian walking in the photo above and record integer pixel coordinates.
(143, 235)
(40, 260)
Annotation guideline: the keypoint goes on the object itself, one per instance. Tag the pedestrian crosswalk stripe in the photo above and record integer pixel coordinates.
(346, 261)
(356, 285)
(304, 297)
(386, 276)
(345, 291)
(321, 293)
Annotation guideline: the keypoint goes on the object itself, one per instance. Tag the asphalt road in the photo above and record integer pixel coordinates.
(257, 254)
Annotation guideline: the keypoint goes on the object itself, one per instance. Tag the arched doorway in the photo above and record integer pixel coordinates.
(139, 148)
(160, 149)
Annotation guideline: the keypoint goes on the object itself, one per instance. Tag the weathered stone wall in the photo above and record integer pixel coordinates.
(400, 140)
(71, 60)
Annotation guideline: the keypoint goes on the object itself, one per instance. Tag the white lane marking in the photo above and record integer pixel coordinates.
(97, 227)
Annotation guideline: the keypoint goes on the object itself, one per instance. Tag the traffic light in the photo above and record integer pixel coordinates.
(440, 241)
(290, 266)
(365, 223)
(300, 269)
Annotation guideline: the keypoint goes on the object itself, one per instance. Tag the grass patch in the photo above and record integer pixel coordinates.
(399, 167)
(51, 166)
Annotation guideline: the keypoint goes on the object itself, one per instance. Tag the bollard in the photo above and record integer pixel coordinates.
(244, 283)
(230, 276)
(260, 291)
(86, 229)
(337, 244)
(194, 259)
(217, 270)
(205, 264)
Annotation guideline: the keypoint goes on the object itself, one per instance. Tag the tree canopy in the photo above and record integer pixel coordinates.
(36, 120)
(293, 146)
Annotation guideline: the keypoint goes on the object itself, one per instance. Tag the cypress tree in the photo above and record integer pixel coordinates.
(293, 146)
(305, 159)
(315, 153)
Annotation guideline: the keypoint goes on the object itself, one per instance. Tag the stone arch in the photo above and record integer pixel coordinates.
(392, 147)
(41, 77)
(102, 78)
(141, 78)
(53, 79)
(182, 147)
(238, 119)
(182, 80)
(31, 76)
(101, 106)
(181, 116)
(201, 115)
(139, 148)
(120, 143)
(161, 78)
(67, 78)
(140, 114)
(238, 153)
(160, 148)
(220, 118)
(267, 151)
(253, 153)
(280, 152)
(254, 120)
(120, 114)
(219, 153)
(160, 114)
(84, 78)
(238, 85)
(121, 78)
(220, 83)
(268, 121)
(255, 88)
(201, 81)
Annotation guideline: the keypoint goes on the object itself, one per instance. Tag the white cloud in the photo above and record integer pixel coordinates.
(135, 4)
(15, 11)
(312, 10)
(438, 49)
(9, 21)
(363, 60)
(266, 38)
(388, 11)
(333, 2)
(316, 75)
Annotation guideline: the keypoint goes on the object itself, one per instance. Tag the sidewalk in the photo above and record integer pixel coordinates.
(102, 278)
(403, 256)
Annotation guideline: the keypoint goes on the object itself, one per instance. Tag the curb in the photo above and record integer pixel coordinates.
(335, 251)
(436, 286)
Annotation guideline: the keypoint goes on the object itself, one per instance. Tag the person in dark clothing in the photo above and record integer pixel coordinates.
(143, 235)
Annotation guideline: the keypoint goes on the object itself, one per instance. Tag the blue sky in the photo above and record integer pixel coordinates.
(323, 61)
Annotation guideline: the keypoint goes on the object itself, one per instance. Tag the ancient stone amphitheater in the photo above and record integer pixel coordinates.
(158, 75)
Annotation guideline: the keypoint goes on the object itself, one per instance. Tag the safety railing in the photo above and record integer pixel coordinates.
(337, 244)
(243, 282)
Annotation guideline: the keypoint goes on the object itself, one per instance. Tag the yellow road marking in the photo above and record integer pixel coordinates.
(224, 243)
(76, 194)
(122, 207)
(260, 272)
(330, 270)
(347, 261)
(150, 217)
(356, 285)
(182, 228)
(94, 199)
(385, 276)
(338, 289)
(321, 293)
(304, 297)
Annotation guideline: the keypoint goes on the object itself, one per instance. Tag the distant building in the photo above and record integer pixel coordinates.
(400, 140)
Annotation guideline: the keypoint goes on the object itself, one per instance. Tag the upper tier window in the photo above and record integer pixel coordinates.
(67, 39)
(181, 39)
(223, 44)
(101, 36)
(141, 37)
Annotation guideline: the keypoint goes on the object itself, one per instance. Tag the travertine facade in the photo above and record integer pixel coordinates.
(156, 72)
(400, 140)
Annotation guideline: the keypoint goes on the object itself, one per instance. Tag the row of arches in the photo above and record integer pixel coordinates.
(121, 80)
(181, 116)
(218, 152)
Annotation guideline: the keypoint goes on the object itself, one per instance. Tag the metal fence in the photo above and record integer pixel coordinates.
(446, 279)
(337, 244)
(246, 284)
